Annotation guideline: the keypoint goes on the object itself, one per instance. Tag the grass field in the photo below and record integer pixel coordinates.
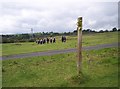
(100, 69)
(88, 40)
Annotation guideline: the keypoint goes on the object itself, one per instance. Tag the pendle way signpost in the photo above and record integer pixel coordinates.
(79, 47)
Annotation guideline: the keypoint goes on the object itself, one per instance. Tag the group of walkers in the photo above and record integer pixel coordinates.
(49, 40)
(46, 40)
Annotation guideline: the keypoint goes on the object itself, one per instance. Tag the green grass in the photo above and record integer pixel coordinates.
(88, 40)
(99, 68)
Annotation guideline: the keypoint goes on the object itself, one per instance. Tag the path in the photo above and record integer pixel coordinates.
(52, 52)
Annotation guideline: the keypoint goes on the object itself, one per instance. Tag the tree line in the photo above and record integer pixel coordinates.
(32, 37)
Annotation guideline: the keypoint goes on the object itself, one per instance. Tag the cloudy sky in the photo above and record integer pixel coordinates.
(19, 16)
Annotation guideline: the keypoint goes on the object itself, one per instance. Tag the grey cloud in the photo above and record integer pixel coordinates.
(58, 16)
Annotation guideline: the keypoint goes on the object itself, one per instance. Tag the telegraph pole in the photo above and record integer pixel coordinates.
(32, 32)
(79, 47)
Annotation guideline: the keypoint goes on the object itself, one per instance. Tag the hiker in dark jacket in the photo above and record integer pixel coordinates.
(64, 39)
(38, 41)
(51, 40)
(41, 41)
(54, 40)
(47, 40)
(44, 41)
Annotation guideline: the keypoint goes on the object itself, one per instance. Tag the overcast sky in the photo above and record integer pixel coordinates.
(18, 16)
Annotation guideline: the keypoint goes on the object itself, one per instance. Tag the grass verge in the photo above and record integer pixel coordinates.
(99, 68)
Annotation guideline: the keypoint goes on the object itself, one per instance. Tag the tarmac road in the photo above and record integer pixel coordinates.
(52, 52)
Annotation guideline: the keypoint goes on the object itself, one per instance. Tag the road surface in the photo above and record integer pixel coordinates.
(52, 52)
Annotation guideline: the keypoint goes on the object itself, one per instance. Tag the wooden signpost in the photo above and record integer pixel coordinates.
(79, 47)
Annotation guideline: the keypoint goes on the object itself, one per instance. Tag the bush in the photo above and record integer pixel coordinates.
(31, 40)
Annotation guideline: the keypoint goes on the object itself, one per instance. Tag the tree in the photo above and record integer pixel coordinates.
(106, 30)
(114, 29)
(118, 29)
(101, 31)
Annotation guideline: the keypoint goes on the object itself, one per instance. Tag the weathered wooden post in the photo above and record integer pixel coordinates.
(79, 48)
